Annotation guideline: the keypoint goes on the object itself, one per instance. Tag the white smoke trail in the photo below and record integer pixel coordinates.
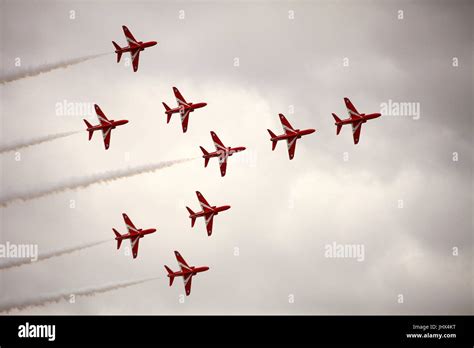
(66, 295)
(22, 144)
(45, 256)
(30, 72)
(76, 183)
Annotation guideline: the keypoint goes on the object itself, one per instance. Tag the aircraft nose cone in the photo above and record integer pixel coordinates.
(153, 43)
(205, 268)
(204, 104)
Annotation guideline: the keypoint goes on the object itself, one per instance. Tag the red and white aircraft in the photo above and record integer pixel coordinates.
(105, 126)
(208, 212)
(134, 234)
(184, 108)
(134, 47)
(291, 135)
(187, 272)
(355, 119)
(221, 152)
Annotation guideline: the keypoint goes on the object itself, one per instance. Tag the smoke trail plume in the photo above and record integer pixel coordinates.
(22, 144)
(30, 72)
(76, 183)
(66, 295)
(45, 256)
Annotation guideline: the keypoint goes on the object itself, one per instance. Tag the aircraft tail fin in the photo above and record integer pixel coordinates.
(170, 274)
(91, 132)
(166, 106)
(191, 215)
(337, 119)
(338, 124)
(206, 159)
(118, 51)
(119, 240)
(274, 142)
(168, 114)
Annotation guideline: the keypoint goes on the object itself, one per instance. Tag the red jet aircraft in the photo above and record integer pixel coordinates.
(187, 272)
(134, 47)
(355, 119)
(134, 234)
(105, 126)
(184, 108)
(208, 212)
(291, 135)
(221, 151)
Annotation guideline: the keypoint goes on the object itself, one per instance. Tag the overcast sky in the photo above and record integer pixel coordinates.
(283, 213)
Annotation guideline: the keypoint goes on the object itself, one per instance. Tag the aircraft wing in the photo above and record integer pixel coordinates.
(287, 128)
(135, 59)
(128, 35)
(187, 283)
(182, 264)
(130, 226)
(217, 142)
(100, 115)
(291, 142)
(184, 120)
(204, 205)
(223, 164)
(134, 242)
(353, 113)
(356, 127)
(106, 133)
(209, 221)
(179, 98)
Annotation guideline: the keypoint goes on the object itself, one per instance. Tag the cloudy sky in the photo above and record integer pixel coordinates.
(398, 193)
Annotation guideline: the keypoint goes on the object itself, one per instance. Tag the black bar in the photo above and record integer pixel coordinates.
(289, 330)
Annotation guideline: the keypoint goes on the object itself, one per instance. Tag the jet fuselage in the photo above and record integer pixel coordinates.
(363, 118)
(229, 151)
(183, 108)
(141, 46)
(298, 133)
(193, 270)
(112, 124)
(213, 210)
(141, 234)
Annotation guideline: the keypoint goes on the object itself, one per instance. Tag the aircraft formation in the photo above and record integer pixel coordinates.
(222, 153)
